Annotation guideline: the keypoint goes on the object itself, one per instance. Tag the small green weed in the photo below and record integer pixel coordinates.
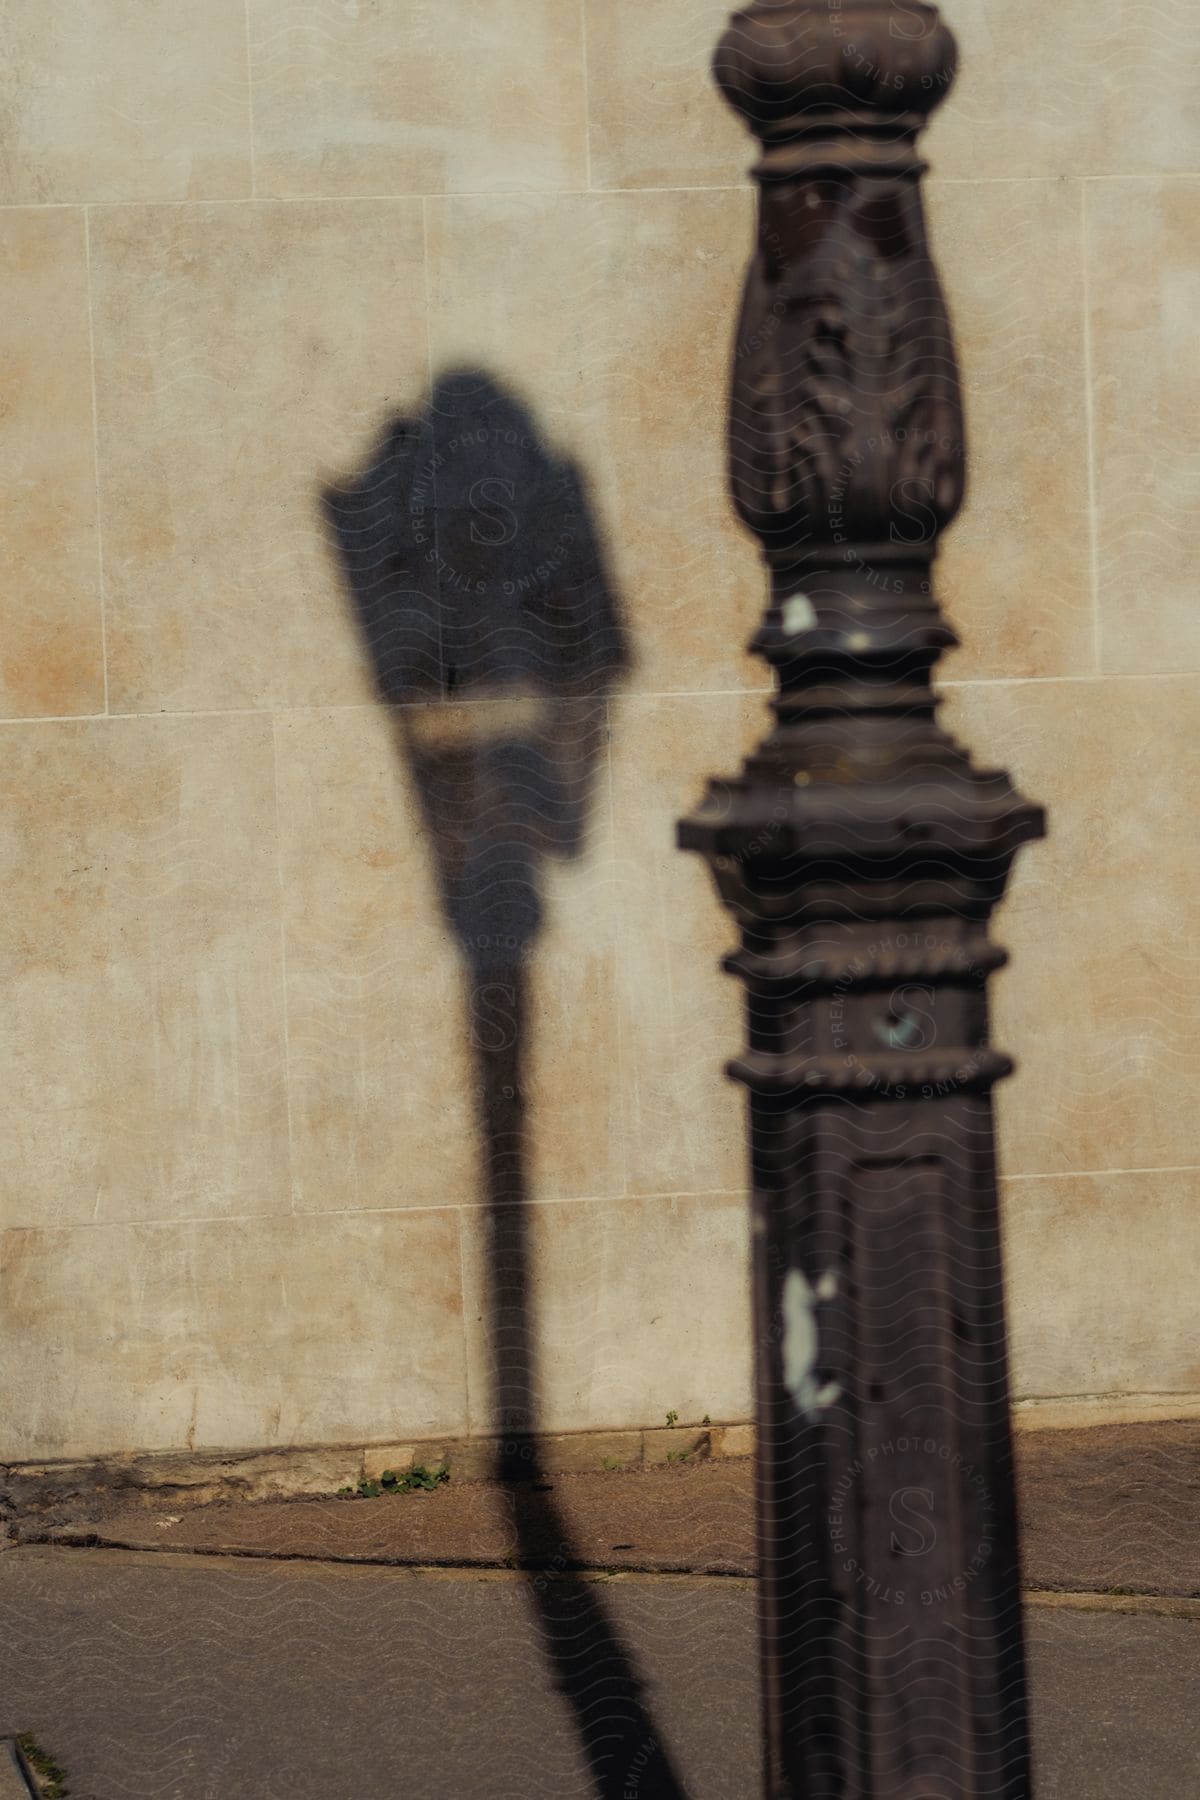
(672, 1418)
(679, 1455)
(52, 1780)
(420, 1480)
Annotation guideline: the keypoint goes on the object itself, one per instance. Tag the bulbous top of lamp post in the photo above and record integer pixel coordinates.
(847, 441)
(847, 459)
(787, 66)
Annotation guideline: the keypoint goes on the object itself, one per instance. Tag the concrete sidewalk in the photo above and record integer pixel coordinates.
(1109, 1511)
(201, 1678)
(369, 1649)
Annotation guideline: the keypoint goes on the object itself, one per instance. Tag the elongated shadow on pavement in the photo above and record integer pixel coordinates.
(479, 584)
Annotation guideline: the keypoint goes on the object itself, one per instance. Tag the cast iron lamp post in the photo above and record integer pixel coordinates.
(862, 855)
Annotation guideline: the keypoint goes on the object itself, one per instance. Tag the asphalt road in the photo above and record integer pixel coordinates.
(172, 1677)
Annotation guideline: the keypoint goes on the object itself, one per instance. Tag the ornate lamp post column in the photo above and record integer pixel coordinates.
(862, 855)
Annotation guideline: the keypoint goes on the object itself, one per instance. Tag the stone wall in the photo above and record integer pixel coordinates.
(240, 1186)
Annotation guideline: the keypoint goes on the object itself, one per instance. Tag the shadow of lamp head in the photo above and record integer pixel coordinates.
(480, 588)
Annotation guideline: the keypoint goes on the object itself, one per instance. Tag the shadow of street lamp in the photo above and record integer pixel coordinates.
(480, 589)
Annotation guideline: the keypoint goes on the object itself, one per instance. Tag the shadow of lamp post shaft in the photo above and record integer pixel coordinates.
(480, 588)
(862, 855)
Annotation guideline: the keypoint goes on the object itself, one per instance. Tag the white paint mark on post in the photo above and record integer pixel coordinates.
(799, 614)
(801, 1343)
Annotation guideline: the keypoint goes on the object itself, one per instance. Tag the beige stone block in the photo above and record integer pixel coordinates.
(381, 1080)
(51, 630)
(734, 1440)
(638, 1307)
(142, 1073)
(1144, 267)
(379, 1459)
(418, 97)
(122, 101)
(1016, 572)
(246, 355)
(233, 1334)
(399, 1459)
(473, 1459)
(681, 1018)
(1097, 87)
(614, 324)
(657, 117)
(1101, 1278)
(584, 1452)
(1103, 921)
(573, 1056)
(386, 1023)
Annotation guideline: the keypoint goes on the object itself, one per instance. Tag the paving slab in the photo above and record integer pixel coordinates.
(201, 1678)
(663, 1519)
(1112, 1509)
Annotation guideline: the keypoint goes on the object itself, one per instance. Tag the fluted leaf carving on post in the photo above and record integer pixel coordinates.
(862, 854)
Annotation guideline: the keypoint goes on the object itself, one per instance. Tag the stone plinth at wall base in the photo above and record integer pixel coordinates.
(202, 1477)
(474, 1459)
(194, 1478)
(1079, 1412)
